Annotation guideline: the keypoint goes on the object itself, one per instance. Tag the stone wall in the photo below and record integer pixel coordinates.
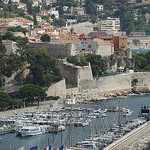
(10, 46)
(74, 73)
(108, 83)
(126, 140)
(55, 49)
(57, 89)
(142, 77)
(18, 75)
(21, 34)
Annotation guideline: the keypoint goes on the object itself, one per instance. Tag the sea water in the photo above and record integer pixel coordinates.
(133, 102)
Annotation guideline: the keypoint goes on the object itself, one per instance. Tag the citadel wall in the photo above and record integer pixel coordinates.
(55, 49)
(74, 73)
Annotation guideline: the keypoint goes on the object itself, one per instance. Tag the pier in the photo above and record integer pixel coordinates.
(125, 141)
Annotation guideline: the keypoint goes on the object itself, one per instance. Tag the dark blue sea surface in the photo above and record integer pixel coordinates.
(133, 102)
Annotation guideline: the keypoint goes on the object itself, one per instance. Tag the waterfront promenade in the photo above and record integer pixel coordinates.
(129, 141)
(43, 106)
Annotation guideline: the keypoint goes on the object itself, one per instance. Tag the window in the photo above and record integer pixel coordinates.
(89, 46)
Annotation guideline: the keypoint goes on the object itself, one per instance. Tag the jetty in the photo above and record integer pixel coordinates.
(124, 142)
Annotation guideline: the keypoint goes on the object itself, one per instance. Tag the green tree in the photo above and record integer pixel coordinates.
(53, 16)
(35, 20)
(4, 100)
(22, 46)
(61, 11)
(29, 91)
(93, 19)
(97, 64)
(29, 7)
(1, 83)
(2, 46)
(90, 8)
(8, 36)
(43, 67)
(45, 38)
(59, 22)
(71, 31)
(78, 60)
(127, 22)
(37, 73)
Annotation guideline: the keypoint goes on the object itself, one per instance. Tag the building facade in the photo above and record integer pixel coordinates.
(110, 25)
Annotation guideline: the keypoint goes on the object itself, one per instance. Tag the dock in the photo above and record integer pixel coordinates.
(125, 141)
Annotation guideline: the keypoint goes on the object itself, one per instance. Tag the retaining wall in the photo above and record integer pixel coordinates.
(55, 49)
(74, 73)
(57, 89)
(126, 140)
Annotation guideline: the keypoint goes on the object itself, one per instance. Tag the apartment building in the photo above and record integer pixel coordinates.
(77, 11)
(110, 25)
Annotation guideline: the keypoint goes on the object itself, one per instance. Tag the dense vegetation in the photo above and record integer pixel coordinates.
(43, 69)
(97, 62)
(10, 10)
(30, 92)
(6, 102)
(142, 62)
(132, 17)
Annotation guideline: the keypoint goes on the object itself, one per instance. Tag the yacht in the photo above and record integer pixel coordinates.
(30, 130)
(56, 128)
(5, 129)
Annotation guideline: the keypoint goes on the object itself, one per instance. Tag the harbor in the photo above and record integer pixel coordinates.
(78, 131)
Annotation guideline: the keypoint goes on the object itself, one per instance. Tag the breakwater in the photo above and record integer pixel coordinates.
(124, 142)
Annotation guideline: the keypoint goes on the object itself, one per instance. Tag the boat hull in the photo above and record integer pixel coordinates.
(31, 133)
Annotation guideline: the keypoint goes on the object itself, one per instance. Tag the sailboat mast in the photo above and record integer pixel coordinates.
(70, 125)
(53, 129)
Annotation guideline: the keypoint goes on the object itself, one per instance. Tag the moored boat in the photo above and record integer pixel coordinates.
(30, 130)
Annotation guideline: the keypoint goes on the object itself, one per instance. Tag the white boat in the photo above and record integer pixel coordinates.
(30, 130)
(5, 129)
(88, 143)
(127, 112)
(84, 123)
(56, 128)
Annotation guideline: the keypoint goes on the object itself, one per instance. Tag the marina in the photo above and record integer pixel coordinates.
(82, 127)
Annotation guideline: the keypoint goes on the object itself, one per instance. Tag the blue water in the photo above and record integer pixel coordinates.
(140, 51)
(11, 141)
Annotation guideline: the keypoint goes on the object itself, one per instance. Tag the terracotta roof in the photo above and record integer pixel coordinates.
(122, 37)
(25, 23)
(62, 28)
(79, 32)
(20, 3)
(29, 21)
(39, 29)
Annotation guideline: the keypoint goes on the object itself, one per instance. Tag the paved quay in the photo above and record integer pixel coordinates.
(135, 140)
(43, 106)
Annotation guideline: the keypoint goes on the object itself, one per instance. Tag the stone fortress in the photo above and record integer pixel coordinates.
(89, 88)
(86, 87)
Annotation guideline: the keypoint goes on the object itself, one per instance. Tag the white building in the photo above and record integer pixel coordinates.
(39, 30)
(15, 1)
(110, 25)
(36, 3)
(21, 6)
(56, 13)
(103, 48)
(69, 101)
(100, 8)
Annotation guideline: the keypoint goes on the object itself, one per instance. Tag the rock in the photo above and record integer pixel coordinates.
(140, 89)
